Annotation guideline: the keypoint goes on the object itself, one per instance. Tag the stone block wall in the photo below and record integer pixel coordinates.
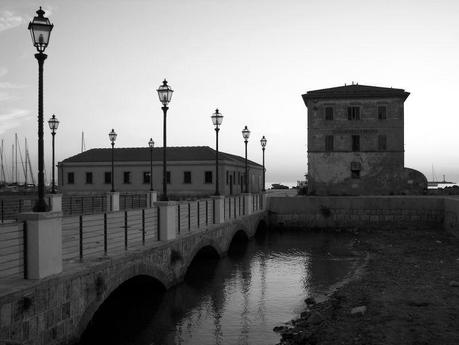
(357, 212)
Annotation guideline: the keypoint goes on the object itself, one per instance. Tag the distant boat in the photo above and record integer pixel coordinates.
(434, 183)
(278, 186)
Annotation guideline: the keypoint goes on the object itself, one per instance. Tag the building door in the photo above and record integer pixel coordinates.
(231, 184)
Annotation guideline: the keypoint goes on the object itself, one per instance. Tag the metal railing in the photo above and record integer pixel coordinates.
(108, 233)
(12, 249)
(133, 201)
(85, 204)
(11, 207)
(111, 233)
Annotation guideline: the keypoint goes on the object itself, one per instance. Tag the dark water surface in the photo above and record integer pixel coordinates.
(237, 299)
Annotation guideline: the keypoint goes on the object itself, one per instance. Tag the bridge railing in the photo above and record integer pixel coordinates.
(108, 233)
(84, 204)
(12, 250)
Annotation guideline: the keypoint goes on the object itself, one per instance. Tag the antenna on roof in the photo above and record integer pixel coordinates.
(83, 144)
(352, 82)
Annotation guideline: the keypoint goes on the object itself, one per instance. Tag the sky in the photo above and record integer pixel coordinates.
(250, 59)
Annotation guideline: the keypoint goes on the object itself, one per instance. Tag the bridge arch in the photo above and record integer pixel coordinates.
(107, 287)
(206, 244)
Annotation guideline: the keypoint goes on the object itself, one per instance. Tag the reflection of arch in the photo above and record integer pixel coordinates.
(261, 227)
(111, 286)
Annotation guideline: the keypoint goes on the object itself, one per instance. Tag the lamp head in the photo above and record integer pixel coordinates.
(245, 133)
(40, 30)
(112, 135)
(217, 119)
(165, 93)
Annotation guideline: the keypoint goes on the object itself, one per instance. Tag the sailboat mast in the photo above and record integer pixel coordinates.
(3, 167)
(26, 170)
(12, 163)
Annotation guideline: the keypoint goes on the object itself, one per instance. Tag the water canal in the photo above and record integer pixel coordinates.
(237, 299)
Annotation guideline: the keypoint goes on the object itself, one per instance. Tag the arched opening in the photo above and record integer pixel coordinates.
(261, 232)
(238, 245)
(127, 310)
(202, 266)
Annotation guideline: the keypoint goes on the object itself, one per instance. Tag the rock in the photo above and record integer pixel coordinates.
(315, 318)
(279, 329)
(305, 314)
(454, 283)
(417, 303)
(310, 301)
(359, 310)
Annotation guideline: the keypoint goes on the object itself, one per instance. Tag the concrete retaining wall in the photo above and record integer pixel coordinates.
(361, 212)
(451, 220)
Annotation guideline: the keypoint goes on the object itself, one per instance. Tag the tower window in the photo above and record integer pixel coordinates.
(329, 143)
(382, 143)
(382, 110)
(356, 143)
(353, 113)
(329, 113)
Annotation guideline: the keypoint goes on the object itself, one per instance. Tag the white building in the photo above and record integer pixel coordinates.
(190, 171)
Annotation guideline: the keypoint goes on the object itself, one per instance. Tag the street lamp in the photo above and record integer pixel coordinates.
(263, 145)
(53, 123)
(40, 30)
(151, 144)
(217, 119)
(165, 95)
(112, 136)
(246, 135)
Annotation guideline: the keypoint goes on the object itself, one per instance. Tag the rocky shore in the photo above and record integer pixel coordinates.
(407, 294)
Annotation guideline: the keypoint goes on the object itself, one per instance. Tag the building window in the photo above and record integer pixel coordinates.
(207, 176)
(227, 177)
(70, 178)
(329, 113)
(356, 143)
(382, 112)
(239, 178)
(168, 177)
(146, 177)
(89, 178)
(355, 170)
(329, 143)
(187, 177)
(126, 177)
(382, 143)
(353, 113)
(107, 177)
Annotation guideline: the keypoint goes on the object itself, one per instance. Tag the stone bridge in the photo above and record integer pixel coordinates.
(58, 308)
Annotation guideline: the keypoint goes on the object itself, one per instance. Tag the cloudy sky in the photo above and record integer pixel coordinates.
(251, 59)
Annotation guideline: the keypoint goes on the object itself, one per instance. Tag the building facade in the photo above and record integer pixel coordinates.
(356, 142)
(190, 171)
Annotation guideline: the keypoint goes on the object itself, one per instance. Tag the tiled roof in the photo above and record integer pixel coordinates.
(355, 91)
(136, 154)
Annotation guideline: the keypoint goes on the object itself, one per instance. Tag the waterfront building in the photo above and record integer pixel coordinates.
(190, 171)
(356, 142)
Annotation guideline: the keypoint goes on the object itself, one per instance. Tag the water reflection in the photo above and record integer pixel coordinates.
(240, 298)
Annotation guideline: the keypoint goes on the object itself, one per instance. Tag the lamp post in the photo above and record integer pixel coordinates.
(217, 119)
(263, 145)
(112, 136)
(165, 95)
(151, 144)
(53, 123)
(246, 135)
(40, 30)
